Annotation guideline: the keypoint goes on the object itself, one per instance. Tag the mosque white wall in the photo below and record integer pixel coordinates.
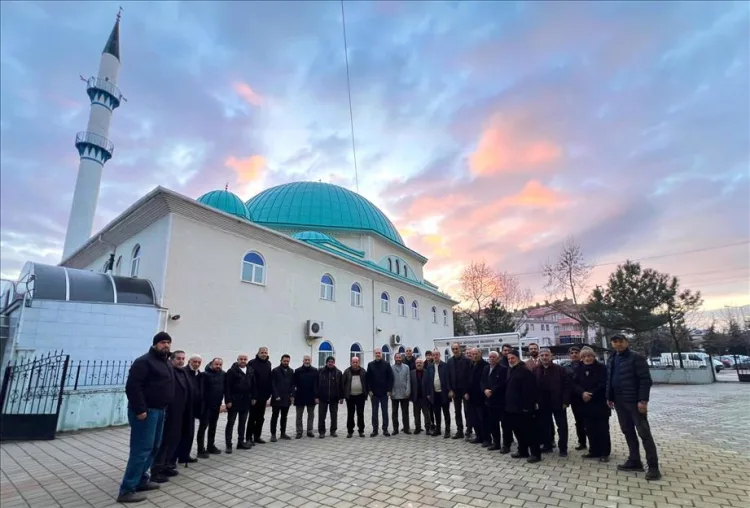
(222, 316)
(85, 331)
(153, 242)
(379, 249)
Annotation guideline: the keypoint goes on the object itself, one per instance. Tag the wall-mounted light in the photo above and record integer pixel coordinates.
(176, 317)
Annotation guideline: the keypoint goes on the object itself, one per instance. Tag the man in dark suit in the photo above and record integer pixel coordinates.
(553, 399)
(493, 388)
(419, 398)
(628, 389)
(459, 367)
(195, 377)
(520, 408)
(476, 400)
(437, 387)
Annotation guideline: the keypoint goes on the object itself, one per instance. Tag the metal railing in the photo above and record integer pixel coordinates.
(106, 86)
(97, 373)
(90, 138)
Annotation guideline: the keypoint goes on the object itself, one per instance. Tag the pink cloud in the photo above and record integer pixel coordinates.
(247, 93)
(249, 169)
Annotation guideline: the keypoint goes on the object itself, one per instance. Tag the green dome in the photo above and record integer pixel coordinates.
(226, 202)
(322, 206)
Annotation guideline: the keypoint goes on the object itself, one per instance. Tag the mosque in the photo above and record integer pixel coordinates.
(303, 268)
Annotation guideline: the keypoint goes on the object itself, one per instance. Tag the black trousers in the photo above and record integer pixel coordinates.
(256, 417)
(579, 417)
(238, 413)
(441, 404)
(597, 430)
(331, 407)
(479, 418)
(404, 405)
(633, 425)
(275, 412)
(459, 408)
(355, 404)
(208, 421)
(173, 425)
(495, 416)
(186, 439)
(422, 409)
(547, 427)
(524, 426)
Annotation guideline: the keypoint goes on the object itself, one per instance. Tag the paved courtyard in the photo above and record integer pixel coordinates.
(703, 434)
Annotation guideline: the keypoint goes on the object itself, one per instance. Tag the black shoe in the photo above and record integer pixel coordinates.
(244, 446)
(334, 434)
(145, 487)
(630, 465)
(228, 449)
(189, 460)
(493, 447)
(548, 449)
(505, 450)
(653, 473)
(603, 459)
(374, 433)
(447, 434)
(458, 435)
(519, 455)
(310, 433)
(131, 497)
(361, 433)
(159, 479)
(581, 446)
(322, 435)
(395, 433)
(436, 433)
(476, 440)
(298, 436)
(349, 435)
(169, 473)
(273, 438)
(589, 456)
(259, 440)
(285, 437)
(213, 450)
(486, 444)
(388, 434)
(407, 432)
(417, 431)
(203, 455)
(563, 453)
(534, 460)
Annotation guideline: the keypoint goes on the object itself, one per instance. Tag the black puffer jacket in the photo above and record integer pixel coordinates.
(240, 386)
(150, 382)
(262, 370)
(330, 387)
(633, 383)
(282, 386)
(213, 388)
(520, 390)
(305, 386)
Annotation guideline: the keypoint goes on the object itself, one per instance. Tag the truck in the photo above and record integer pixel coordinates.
(486, 343)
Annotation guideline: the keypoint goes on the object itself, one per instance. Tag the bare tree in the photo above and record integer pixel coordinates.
(479, 285)
(514, 298)
(567, 283)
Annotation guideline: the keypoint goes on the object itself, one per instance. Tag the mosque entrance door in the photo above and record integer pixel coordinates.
(31, 396)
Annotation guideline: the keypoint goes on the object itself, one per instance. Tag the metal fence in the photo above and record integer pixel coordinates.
(97, 373)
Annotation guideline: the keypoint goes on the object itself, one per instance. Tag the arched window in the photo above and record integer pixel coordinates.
(356, 350)
(327, 287)
(390, 265)
(414, 310)
(386, 353)
(398, 267)
(401, 306)
(106, 265)
(385, 302)
(416, 352)
(253, 268)
(324, 351)
(135, 262)
(445, 317)
(118, 265)
(406, 272)
(401, 350)
(434, 315)
(356, 295)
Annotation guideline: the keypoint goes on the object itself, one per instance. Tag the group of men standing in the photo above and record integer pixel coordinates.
(500, 398)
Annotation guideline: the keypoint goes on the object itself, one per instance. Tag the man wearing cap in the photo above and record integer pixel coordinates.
(150, 389)
(628, 389)
(520, 408)
(576, 403)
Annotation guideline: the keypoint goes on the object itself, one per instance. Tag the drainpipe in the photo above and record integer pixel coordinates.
(373, 316)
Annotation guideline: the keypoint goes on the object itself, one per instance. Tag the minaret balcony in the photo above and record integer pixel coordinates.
(104, 92)
(93, 146)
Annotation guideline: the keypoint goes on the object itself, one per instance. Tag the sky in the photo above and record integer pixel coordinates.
(487, 131)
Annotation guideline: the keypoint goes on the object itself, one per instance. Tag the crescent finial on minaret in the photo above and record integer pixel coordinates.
(226, 186)
(113, 43)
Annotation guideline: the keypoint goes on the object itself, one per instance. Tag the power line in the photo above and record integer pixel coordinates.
(349, 90)
(659, 256)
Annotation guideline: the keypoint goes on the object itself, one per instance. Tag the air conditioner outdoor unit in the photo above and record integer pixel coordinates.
(396, 340)
(314, 329)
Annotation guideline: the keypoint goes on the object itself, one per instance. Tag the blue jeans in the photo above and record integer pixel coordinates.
(383, 403)
(145, 439)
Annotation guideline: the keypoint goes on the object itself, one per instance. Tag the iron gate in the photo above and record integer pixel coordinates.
(31, 396)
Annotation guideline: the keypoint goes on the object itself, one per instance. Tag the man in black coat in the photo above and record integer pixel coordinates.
(194, 375)
(379, 383)
(178, 411)
(520, 407)
(493, 387)
(476, 400)
(149, 389)
(213, 381)
(262, 367)
(418, 398)
(590, 386)
(305, 394)
(240, 395)
(628, 389)
(553, 399)
(282, 396)
(459, 368)
(329, 396)
(507, 348)
(576, 404)
(437, 386)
